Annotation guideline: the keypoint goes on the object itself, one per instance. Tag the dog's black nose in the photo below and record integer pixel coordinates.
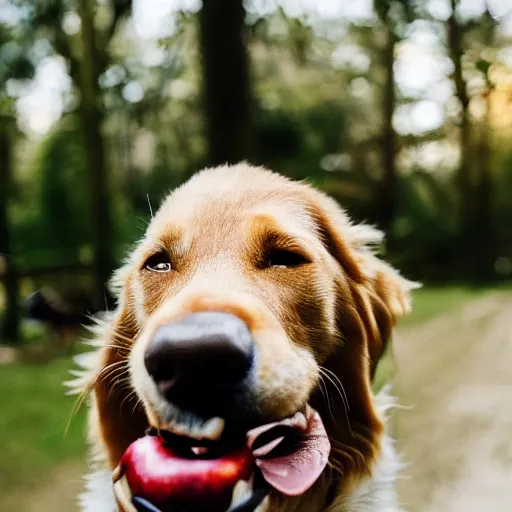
(202, 351)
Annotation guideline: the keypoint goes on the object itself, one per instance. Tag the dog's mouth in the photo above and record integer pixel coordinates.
(200, 469)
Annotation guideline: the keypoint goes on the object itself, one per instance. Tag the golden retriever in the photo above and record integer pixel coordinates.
(306, 308)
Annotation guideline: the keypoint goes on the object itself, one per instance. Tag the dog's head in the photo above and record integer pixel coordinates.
(249, 297)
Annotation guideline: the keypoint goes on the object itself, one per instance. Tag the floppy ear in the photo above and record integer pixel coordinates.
(379, 293)
(388, 299)
(370, 297)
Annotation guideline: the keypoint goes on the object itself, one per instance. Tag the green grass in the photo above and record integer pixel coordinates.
(429, 302)
(34, 414)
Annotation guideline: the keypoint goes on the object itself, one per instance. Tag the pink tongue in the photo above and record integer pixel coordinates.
(293, 474)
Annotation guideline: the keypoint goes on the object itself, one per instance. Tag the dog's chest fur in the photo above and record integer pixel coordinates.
(376, 494)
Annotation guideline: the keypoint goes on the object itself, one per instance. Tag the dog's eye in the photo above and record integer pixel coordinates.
(285, 258)
(159, 262)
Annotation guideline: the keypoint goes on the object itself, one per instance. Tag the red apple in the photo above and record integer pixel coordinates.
(173, 483)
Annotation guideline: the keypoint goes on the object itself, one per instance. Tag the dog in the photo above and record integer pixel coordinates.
(62, 319)
(254, 256)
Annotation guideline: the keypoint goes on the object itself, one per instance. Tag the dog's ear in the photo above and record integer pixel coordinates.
(117, 418)
(370, 297)
(378, 292)
(386, 295)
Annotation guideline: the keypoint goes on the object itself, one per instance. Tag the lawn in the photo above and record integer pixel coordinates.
(429, 302)
(34, 411)
(34, 414)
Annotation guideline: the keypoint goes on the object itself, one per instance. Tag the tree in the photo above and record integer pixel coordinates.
(88, 58)
(469, 43)
(10, 328)
(16, 65)
(464, 178)
(389, 137)
(482, 221)
(393, 15)
(92, 116)
(226, 93)
(483, 187)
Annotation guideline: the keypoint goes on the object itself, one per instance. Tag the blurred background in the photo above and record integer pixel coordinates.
(400, 109)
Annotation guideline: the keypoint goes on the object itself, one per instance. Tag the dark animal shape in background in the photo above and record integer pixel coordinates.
(63, 320)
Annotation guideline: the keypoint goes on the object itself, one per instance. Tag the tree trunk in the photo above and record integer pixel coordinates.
(10, 328)
(92, 116)
(387, 192)
(464, 178)
(225, 80)
(484, 186)
(484, 254)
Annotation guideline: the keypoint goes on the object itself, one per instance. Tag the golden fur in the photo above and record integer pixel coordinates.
(323, 324)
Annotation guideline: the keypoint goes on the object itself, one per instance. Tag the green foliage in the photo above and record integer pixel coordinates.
(278, 135)
(14, 61)
(307, 113)
(502, 211)
(15, 65)
(294, 141)
(55, 226)
(483, 66)
(424, 229)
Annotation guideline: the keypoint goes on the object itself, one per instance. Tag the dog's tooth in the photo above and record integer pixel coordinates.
(123, 495)
(241, 493)
(267, 448)
(193, 431)
(213, 428)
(179, 429)
(301, 420)
(197, 431)
(199, 450)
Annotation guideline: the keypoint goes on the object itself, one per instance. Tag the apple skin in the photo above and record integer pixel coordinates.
(174, 484)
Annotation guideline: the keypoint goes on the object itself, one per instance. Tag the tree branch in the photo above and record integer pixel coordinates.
(455, 36)
(62, 45)
(121, 9)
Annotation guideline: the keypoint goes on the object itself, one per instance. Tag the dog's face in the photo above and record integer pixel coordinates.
(250, 297)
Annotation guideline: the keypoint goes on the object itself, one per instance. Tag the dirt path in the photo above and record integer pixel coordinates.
(456, 374)
(57, 493)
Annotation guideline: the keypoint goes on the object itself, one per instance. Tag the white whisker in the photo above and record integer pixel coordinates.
(149, 204)
(342, 396)
(326, 396)
(341, 387)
